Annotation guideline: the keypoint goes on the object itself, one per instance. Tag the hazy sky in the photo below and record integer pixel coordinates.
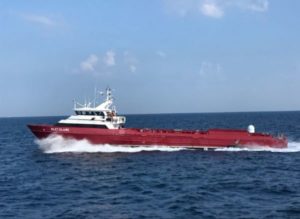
(160, 56)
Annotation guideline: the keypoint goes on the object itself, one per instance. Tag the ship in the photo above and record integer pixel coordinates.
(100, 124)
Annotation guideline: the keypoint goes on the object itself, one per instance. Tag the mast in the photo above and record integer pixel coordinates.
(108, 94)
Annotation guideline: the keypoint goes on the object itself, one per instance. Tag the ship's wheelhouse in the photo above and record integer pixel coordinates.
(101, 116)
(89, 113)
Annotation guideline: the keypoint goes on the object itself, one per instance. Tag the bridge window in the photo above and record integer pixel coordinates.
(78, 112)
(99, 114)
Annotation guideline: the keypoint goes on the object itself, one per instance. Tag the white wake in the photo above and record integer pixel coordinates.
(58, 144)
(292, 147)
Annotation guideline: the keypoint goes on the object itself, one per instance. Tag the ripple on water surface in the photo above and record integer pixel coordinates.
(59, 178)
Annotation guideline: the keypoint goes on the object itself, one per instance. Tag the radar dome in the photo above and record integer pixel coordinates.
(251, 129)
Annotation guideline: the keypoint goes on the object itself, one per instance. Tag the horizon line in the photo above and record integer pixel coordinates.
(141, 114)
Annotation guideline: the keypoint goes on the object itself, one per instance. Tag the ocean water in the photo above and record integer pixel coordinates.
(61, 178)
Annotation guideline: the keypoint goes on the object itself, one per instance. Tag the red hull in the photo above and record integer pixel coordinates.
(177, 138)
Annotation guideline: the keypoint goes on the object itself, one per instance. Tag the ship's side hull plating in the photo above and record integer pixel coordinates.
(177, 138)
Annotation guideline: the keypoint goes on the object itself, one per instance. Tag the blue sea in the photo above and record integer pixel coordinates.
(61, 178)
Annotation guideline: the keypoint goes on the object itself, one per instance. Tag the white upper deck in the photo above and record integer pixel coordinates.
(89, 115)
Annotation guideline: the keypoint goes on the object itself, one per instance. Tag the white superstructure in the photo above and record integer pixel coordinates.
(102, 116)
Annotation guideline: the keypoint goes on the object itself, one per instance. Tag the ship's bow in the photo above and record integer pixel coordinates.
(40, 131)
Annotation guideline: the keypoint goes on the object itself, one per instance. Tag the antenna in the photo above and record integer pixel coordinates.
(95, 96)
(108, 94)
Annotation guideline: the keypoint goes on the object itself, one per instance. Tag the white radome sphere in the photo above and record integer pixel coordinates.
(251, 129)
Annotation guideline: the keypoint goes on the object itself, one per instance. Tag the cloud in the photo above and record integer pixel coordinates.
(39, 19)
(180, 7)
(258, 5)
(89, 64)
(131, 61)
(132, 68)
(209, 69)
(213, 8)
(161, 54)
(104, 64)
(109, 58)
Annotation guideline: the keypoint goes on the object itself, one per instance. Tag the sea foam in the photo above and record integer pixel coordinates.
(58, 144)
(292, 147)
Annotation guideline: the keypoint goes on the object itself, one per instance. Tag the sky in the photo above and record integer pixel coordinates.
(159, 56)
